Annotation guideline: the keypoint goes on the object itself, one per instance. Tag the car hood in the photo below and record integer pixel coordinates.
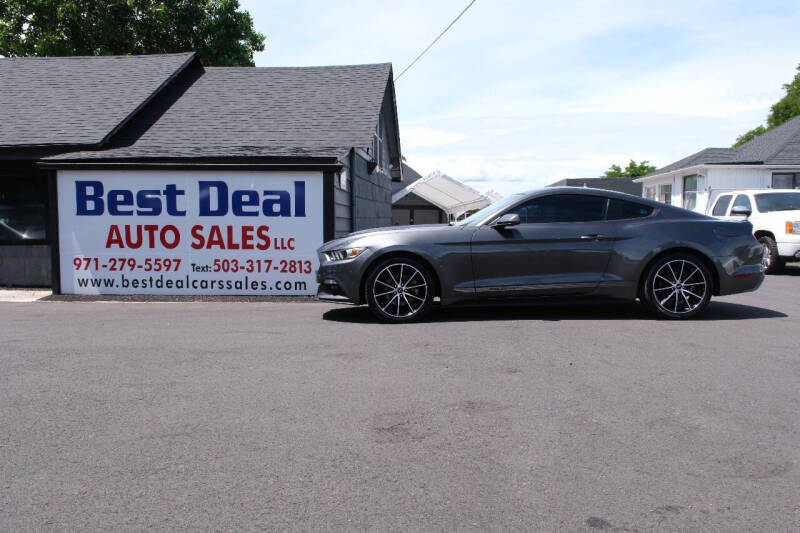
(351, 237)
(387, 229)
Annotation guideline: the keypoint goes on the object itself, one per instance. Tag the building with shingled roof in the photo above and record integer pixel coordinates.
(135, 124)
(771, 160)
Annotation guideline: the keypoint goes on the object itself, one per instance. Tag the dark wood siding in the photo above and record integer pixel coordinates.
(344, 223)
(372, 194)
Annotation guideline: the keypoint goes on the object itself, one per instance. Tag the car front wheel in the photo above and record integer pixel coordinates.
(399, 289)
(677, 286)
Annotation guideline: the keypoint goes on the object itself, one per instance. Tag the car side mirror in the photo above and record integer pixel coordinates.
(741, 211)
(509, 219)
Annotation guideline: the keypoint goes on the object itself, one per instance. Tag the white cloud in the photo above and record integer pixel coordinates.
(522, 93)
(412, 137)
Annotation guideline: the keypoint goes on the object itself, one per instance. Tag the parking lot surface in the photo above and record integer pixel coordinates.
(309, 416)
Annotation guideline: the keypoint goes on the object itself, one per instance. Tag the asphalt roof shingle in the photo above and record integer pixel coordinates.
(63, 101)
(707, 155)
(779, 146)
(409, 176)
(770, 145)
(266, 111)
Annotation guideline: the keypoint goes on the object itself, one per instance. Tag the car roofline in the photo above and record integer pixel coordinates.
(566, 189)
(659, 207)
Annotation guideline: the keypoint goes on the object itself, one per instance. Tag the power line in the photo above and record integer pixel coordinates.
(434, 41)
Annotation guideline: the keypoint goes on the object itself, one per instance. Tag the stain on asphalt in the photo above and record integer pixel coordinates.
(743, 466)
(671, 425)
(598, 523)
(666, 512)
(348, 356)
(400, 427)
(479, 406)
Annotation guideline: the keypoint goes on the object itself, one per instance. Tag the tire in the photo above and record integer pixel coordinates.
(772, 262)
(671, 287)
(399, 289)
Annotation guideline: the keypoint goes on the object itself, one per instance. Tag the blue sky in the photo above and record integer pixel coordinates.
(520, 94)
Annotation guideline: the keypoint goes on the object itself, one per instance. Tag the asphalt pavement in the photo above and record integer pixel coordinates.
(307, 416)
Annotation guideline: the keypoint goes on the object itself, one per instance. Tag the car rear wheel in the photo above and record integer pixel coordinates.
(399, 289)
(770, 260)
(677, 286)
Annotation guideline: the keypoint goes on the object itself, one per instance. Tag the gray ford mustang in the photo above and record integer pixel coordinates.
(556, 242)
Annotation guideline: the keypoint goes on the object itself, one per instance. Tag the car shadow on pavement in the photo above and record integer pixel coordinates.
(555, 312)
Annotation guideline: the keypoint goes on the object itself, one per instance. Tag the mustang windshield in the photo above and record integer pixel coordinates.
(491, 210)
(778, 201)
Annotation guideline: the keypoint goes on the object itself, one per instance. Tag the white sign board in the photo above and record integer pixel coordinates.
(189, 232)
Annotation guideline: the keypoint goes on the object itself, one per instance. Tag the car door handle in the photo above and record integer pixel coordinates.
(592, 237)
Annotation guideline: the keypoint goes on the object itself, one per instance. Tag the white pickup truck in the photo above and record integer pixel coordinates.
(775, 215)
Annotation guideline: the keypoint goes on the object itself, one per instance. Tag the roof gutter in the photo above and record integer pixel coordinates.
(128, 165)
(655, 176)
(396, 129)
(767, 166)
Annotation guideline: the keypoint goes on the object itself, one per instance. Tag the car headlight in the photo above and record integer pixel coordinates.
(792, 228)
(344, 253)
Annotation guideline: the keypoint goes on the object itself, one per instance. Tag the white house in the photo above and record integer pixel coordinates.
(771, 160)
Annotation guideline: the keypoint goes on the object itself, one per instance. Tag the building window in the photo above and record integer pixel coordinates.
(23, 217)
(785, 180)
(665, 193)
(377, 143)
(650, 193)
(690, 192)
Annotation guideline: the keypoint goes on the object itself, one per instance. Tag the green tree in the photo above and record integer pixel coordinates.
(633, 170)
(749, 136)
(784, 110)
(217, 30)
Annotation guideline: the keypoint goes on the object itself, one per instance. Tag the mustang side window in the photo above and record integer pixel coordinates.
(561, 208)
(620, 209)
